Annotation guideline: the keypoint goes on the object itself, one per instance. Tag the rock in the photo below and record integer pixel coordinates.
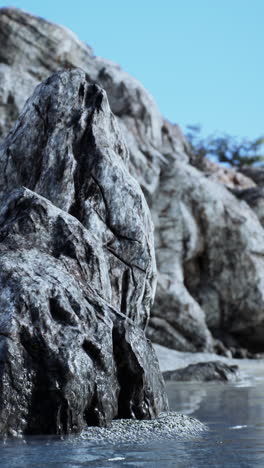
(31, 50)
(77, 275)
(255, 173)
(228, 176)
(198, 366)
(210, 258)
(34, 48)
(255, 199)
(171, 360)
(150, 138)
(204, 372)
(209, 243)
(227, 345)
(254, 196)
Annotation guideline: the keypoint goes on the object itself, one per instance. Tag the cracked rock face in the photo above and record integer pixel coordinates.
(209, 243)
(77, 274)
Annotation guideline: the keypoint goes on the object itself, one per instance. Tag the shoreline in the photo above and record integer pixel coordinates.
(170, 360)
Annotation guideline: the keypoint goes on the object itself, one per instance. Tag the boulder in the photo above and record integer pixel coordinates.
(78, 274)
(204, 372)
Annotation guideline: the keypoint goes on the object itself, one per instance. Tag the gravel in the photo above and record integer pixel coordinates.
(169, 425)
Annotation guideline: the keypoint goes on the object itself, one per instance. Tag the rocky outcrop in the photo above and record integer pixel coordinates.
(77, 275)
(33, 49)
(214, 250)
(209, 243)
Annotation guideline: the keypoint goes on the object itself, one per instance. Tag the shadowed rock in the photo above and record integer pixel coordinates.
(77, 275)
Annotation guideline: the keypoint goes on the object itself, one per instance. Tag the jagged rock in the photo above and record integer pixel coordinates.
(34, 48)
(200, 227)
(150, 138)
(77, 275)
(204, 372)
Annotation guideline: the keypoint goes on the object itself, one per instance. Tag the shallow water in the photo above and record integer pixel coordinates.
(235, 439)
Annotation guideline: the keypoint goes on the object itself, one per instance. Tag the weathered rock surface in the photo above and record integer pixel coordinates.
(77, 275)
(33, 48)
(212, 254)
(209, 243)
(204, 372)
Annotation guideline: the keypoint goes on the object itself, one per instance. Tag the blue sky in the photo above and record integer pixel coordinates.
(202, 60)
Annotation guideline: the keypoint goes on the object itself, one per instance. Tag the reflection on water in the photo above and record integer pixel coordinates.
(185, 397)
(234, 414)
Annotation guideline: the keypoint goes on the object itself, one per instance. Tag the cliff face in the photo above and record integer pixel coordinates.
(209, 242)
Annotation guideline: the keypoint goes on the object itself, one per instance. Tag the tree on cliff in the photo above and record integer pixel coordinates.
(225, 149)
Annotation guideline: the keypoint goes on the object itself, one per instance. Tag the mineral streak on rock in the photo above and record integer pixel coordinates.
(77, 273)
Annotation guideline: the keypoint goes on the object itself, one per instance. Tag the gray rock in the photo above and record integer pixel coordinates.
(34, 48)
(210, 259)
(151, 139)
(77, 275)
(170, 359)
(228, 176)
(209, 245)
(255, 173)
(204, 372)
(255, 199)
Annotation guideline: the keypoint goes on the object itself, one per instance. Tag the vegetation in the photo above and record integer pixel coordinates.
(226, 149)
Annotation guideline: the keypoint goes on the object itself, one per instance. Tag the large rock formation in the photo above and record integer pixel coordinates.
(77, 273)
(214, 252)
(209, 242)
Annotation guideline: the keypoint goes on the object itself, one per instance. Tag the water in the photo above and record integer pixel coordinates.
(235, 439)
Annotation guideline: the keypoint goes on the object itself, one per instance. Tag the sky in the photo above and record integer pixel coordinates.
(202, 60)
